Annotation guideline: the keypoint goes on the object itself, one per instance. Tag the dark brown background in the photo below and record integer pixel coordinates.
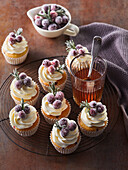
(112, 153)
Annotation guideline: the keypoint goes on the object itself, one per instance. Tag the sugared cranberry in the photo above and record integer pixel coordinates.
(92, 112)
(52, 27)
(63, 122)
(12, 40)
(59, 95)
(57, 104)
(81, 51)
(79, 46)
(53, 14)
(73, 52)
(27, 109)
(38, 17)
(45, 22)
(93, 103)
(45, 8)
(19, 38)
(12, 34)
(53, 7)
(46, 63)
(27, 81)
(19, 84)
(50, 98)
(72, 126)
(38, 22)
(64, 132)
(22, 75)
(55, 63)
(58, 20)
(100, 108)
(18, 108)
(51, 69)
(65, 19)
(22, 114)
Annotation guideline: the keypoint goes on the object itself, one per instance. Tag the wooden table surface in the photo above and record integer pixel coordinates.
(112, 153)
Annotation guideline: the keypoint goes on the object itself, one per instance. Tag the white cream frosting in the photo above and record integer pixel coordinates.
(25, 92)
(23, 123)
(85, 58)
(63, 142)
(96, 121)
(17, 48)
(49, 109)
(48, 77)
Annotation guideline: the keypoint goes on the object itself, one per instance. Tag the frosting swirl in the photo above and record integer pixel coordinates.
(25, 92)
(63, 142)
(97, 121)
(23, 123)
(49, 109)
(16, 48)
(86, 58)
(48, 77)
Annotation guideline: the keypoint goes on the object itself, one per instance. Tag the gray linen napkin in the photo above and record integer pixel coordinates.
(115, 51)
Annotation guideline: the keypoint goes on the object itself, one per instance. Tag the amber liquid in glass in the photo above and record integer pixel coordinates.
(89, 90)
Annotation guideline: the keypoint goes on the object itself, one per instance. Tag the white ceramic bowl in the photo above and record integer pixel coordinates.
(68, 29)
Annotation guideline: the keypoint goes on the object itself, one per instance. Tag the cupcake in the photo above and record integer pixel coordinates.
(24, 119)
(15, 48)
(52, 71)
(55, 106)
(24, 87)
(65, 136)
(93, 118)
(74, 50)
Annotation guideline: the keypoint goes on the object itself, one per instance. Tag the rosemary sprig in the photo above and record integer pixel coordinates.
(52, 88)
(22, 103)
(15, 74)
(85, 104)
(61, 67)
(70, 45)
(47, 16)
(19, 31)
(60, 12)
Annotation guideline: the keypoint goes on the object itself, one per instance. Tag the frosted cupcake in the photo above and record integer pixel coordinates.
(65, 136)
(52, 71)
(74, 50)
(93, 118)
(15, 48)
(24, 87)
(24, 119)
(55, 106)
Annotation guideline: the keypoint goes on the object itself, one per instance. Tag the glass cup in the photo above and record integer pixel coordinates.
(85, 88)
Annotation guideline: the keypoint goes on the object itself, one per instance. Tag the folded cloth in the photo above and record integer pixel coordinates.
(115, 51)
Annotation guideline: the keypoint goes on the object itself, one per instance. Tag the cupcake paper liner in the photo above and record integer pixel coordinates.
(60, 87)
(25, 132)
(15, 61)
(91, 133)
(66, 150)
(51, 121)
(31, 101)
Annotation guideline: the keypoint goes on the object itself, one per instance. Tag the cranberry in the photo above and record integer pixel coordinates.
(64, 132)
(63, 122)
(46, 63)
(59, 95)
(93, 103)
(51, 69)
(19, 84)
(57, 104)
(100, 108)
(22, 75)
(72, 126)
(55, 63)
(79, 46)
(52, 27)
(50, 98)
(22, 114)
(93, 112)
(19, 38)
(27, 81)
(27, 109)
(18, 108)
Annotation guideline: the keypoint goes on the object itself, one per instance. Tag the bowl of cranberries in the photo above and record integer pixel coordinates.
(52, 20)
